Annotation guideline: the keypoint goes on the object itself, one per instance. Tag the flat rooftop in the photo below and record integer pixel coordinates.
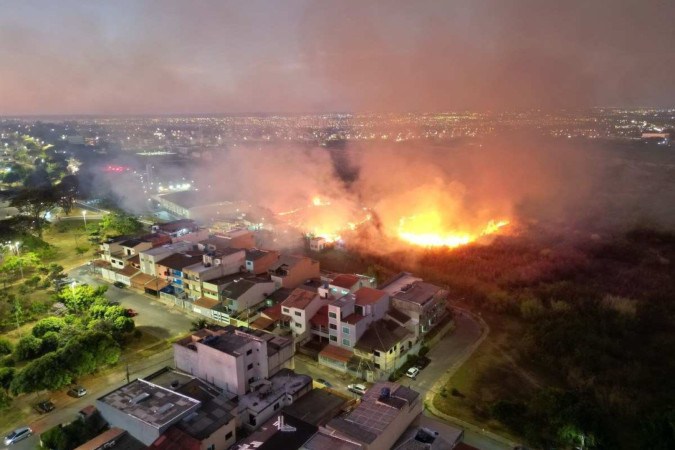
(150, 403)
(317, 407)
(270, 437)
(266, 392)
(395, 283)
(418, 292)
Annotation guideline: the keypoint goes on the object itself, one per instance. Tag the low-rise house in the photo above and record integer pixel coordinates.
(290, 271)
(112, 246)
(281, 431)
(246, 293)
(150, 258)
(259, 261)
(385, 412)
(233, 358)
(172, 269)
(385, 343)
(237, 238)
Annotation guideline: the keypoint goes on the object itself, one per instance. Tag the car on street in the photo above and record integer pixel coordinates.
(119, 284)
(357, 388)
(44, 407)
(323, 382)
(412, 372)
(18, 435)
(130, 312)
(77, 391)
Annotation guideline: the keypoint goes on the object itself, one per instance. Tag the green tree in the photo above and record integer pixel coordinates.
(123, 324)
(120, 223)
(36, 203)
(45, 373)
(6, 377)
(28, 347)
(6, 346)
(80, 298)
(47, 324)
(67, 190)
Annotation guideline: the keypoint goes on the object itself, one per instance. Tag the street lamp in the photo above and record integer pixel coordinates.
(84, 217)
(72, 286)
(18, 254)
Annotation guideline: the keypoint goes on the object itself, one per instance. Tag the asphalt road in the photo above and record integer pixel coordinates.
(153, 317)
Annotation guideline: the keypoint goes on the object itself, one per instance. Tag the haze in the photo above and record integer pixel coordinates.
(172, 57)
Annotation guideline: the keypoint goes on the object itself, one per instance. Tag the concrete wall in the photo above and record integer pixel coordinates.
(218, 438)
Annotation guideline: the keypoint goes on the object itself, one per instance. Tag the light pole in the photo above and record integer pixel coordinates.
(84, 217)
(18, 254)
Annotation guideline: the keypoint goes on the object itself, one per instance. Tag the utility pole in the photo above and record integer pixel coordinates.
(127, 373)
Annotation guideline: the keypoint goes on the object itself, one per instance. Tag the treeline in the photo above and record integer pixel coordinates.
(598, 316)
(59, 350)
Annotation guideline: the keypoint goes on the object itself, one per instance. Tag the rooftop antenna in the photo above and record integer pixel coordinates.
(281, 425)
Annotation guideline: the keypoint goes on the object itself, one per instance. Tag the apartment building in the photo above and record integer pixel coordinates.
(233, 358)
(299, 308)
(290, 271)
(259, 261)
(149, 258)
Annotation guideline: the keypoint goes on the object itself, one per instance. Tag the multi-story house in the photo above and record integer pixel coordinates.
(423, 302)
(290, 271)
(350, 315)
(172, 269)
(128, 249)
(233, 358)
(150, 258)
(245, 294)
(259, 261)
(214, 264)
(299, 308)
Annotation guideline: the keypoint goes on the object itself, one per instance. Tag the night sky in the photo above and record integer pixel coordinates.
(131, 57)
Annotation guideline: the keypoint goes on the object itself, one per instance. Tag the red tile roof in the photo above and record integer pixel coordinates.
(175, 439)
(336, 353)
(353, 318)
(368, 296)
(299, 299)
(273, 312)
(321, 317)
(345, 281)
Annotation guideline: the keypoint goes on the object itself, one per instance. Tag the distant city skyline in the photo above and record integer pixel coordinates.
(298, 56)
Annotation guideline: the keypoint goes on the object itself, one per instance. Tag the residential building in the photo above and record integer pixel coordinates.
(423, 302)
(280, 432)
(246, 293)
(150, 258)
(259, 261)
(214, 264)
(233, 358)
(299, 308)
(318, 244)
(128, 249)
(385, 343)
(237, 238)
(426, 433)
(386, 410)
(172, 269)
(112, 246)
(182, 230)
(211, 426)
(290, 271)
(350, 315)
(145, 409)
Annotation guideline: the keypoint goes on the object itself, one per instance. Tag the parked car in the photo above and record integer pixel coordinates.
(119, 284)
(357, 388)
(422, 362)
(44, 407)
(77, 391)
(323, 382)
(412, 372)
(130, 312)
(18, 435)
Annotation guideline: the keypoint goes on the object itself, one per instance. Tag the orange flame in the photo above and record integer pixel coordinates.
(427, 230)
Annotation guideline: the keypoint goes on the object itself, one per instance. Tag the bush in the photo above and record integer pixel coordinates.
(29, 347)
(6, 346)
(48, 324)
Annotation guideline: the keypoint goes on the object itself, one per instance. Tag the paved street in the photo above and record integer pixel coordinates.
(153, 317)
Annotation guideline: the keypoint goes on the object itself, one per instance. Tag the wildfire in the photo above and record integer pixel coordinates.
(427, 230)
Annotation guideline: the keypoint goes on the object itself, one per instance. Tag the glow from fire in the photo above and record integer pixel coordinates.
(427, 230)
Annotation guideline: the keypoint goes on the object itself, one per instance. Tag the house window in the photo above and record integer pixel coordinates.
(332, 326)
(251, 380)
(286, 310)
(377, 365)
(333, 338)
(298, 313)
(276, 406)
(211, 447)
(298, 324)
(376, 353)
(228, 435)
(249, 351)
(332, 315)
(346, 342)
(345, 330)
(250, 366)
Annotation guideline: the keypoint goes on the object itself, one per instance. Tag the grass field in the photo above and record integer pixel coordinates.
(67, 237)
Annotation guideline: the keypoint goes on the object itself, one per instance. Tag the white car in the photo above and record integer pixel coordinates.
(357, 388)
(18, 435)
(412, 372)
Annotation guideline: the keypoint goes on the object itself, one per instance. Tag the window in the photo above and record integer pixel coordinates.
(376, 353)
(332, 326)
(346, 342)
(345, 330)
(276, 406)
(298, 313)
(333, 338)
(284, 309)
(228, 435)
(332, 315)
(298, 324)
(377, 365)
(211, 447)
(251, 380)
(249, 351)
(250, 366)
